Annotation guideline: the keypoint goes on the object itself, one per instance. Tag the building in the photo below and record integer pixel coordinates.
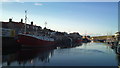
(19, 27)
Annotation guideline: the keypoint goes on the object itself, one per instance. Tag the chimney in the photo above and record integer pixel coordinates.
(21, 21)
(32, 23)
(10, 20)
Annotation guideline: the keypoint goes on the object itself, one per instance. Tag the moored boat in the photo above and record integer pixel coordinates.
(34, 41)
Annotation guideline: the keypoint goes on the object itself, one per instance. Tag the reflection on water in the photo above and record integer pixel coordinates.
(25, 56)
(87, 54)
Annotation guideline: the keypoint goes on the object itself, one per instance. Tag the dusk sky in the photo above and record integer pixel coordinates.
(92, 18)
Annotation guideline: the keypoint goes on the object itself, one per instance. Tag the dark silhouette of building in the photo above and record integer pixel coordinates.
(20, 26)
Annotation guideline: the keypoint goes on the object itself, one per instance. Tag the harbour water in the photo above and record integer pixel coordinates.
(85, 54)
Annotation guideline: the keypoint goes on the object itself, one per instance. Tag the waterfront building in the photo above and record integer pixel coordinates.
(19, 26)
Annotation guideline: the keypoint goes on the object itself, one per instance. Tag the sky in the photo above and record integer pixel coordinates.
(91, 18)
(59, 0)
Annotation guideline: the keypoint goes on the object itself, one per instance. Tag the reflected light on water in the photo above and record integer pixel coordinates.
(87, 54)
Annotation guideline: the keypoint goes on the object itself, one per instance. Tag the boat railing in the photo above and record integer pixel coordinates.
(40, 37)
(44, 38)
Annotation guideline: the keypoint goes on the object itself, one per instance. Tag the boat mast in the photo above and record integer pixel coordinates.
(25, 20)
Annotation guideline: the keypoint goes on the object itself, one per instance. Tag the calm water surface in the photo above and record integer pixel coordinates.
(87, 54)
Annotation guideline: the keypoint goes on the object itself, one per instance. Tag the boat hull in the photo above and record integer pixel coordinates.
(29, 41)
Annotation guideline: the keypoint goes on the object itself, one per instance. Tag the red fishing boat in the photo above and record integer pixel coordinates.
(34, 41)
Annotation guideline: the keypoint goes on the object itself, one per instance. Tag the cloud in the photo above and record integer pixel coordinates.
(4, 0)
(21, 1)
(38, 4)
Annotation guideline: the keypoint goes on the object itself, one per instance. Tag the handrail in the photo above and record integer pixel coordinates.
(40, 37)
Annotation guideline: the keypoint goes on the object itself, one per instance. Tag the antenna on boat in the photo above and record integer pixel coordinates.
(45, 24)
(25, 20)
